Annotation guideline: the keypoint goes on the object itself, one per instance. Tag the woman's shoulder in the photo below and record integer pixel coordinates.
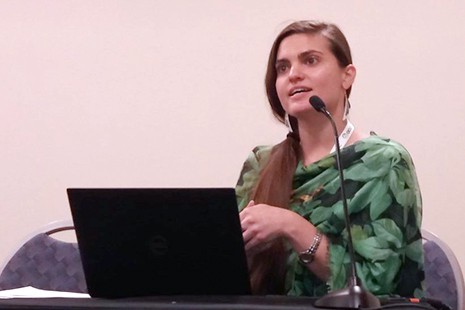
(376, 141)
(382, 147)
(260, 153)
(256, 159)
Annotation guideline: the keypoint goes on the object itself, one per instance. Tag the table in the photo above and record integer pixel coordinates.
(183, 302)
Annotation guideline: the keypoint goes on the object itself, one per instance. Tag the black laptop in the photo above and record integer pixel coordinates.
(163, 241)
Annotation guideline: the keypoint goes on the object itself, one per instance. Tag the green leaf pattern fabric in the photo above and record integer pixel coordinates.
(385, 209)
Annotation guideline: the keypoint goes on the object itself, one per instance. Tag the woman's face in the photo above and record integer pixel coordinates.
(305, 67)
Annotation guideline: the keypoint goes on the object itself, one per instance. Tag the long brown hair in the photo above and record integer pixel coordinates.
(274, 187)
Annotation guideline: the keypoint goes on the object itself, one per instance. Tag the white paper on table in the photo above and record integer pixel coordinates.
(32, 292)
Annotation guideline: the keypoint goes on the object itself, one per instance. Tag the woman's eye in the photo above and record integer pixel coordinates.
(311, 60)
(281, 68)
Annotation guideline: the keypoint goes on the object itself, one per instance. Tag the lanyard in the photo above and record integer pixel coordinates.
(344, 136)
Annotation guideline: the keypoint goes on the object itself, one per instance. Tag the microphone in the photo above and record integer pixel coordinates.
(354, 296)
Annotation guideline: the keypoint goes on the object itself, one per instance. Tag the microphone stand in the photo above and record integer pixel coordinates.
(354, 296)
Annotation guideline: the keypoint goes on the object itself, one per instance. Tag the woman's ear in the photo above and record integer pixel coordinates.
(348, 77)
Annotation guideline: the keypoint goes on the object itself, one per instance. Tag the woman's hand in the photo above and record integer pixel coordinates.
(262, 224)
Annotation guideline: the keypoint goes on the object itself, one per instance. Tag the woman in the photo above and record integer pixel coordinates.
(291, 210)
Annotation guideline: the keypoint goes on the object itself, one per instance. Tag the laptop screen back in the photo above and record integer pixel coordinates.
(164, 241)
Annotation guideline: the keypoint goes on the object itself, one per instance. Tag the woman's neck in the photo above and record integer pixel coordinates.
(317, 138)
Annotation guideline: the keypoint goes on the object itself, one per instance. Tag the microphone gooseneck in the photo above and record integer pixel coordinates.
(354, 296)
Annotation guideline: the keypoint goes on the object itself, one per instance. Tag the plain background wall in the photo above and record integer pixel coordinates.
(170, 93)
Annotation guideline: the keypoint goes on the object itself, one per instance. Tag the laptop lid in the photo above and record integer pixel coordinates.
(160, 241)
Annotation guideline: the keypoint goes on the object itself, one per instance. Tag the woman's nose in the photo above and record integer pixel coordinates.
(295, 73)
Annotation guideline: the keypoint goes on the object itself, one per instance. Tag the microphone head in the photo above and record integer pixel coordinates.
(317, 103)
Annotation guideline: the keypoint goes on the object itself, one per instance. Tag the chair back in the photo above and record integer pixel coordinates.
(45, 263)
(443, 275)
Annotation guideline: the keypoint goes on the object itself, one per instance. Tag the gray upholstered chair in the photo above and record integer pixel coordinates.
(443, 276)
(45, 263)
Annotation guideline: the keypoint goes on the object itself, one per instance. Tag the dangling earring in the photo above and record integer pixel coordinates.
(346, 107)
(287, 122)
(294, 134)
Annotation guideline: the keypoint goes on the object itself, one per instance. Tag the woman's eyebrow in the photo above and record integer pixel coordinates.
(300, 56)
(305, 54)
(281, 61)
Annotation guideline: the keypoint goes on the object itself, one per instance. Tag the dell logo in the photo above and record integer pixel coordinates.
(158, 245)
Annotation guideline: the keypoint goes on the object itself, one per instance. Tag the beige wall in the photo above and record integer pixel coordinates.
(169, 93)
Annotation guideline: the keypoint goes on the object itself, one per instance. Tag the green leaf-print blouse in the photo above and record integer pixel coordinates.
(385, 210)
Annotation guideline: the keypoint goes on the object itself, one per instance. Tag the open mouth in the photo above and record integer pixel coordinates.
(299, 90)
